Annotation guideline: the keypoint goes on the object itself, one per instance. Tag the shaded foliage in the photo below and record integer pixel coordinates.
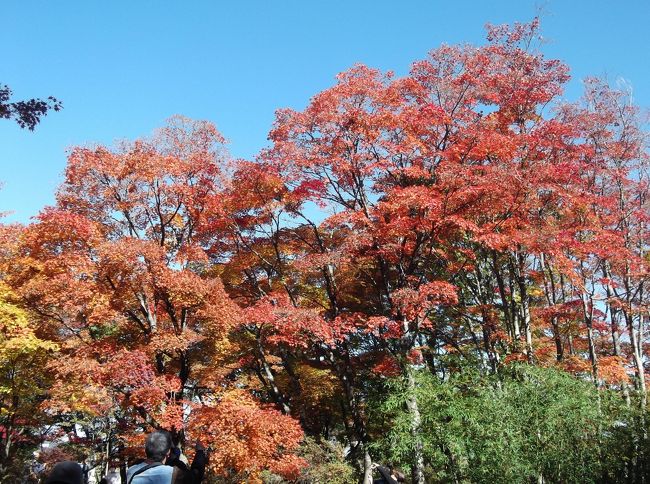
(27, 113)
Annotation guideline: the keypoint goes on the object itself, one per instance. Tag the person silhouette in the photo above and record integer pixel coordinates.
(66, 472)
(163, 466)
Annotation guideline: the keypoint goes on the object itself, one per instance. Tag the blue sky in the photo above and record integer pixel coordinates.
(121, 67)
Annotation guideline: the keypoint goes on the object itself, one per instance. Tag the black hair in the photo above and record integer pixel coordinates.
(66, 472)
(157, 445)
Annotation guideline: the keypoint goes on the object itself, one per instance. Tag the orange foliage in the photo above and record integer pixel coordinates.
(247, 439)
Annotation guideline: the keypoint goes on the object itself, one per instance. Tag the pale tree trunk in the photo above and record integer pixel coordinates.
(551, 299)
(635, 338)
(634, 335)
(417, 472)
(108, 453)
(613, 314)
(510, 315)
(367, 467)
(485, 299)
(639, 346)
(412, 407)
(525, 306)
(588, 312)
(593, 357)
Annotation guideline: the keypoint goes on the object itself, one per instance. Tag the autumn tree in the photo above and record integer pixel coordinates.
(23, 384)
(460, 215)
(118, 275)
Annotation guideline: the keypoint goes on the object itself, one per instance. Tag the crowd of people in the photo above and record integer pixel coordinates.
(165, 464)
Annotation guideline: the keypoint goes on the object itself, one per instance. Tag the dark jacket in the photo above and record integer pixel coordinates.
(181, 473)
(188, 475)
(385, 478)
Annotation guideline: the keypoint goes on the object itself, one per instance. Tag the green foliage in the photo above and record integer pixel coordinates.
(528, 421)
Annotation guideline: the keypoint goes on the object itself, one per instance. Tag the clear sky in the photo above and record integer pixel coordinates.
(121, 67)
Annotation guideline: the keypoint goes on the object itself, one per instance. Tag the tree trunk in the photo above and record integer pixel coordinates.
(525, 306)
(417, 469)
(551, 299)
(367, 467)
(359, 427)
(638, 358)
(588, 312)
(270, 379)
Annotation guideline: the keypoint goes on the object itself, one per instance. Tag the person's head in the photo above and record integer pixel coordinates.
(66, 472)
(157, 445)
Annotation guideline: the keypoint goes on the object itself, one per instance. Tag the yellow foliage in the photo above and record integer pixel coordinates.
(22, 359)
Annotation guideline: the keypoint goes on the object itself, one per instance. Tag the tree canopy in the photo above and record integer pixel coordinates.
(445, 270)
